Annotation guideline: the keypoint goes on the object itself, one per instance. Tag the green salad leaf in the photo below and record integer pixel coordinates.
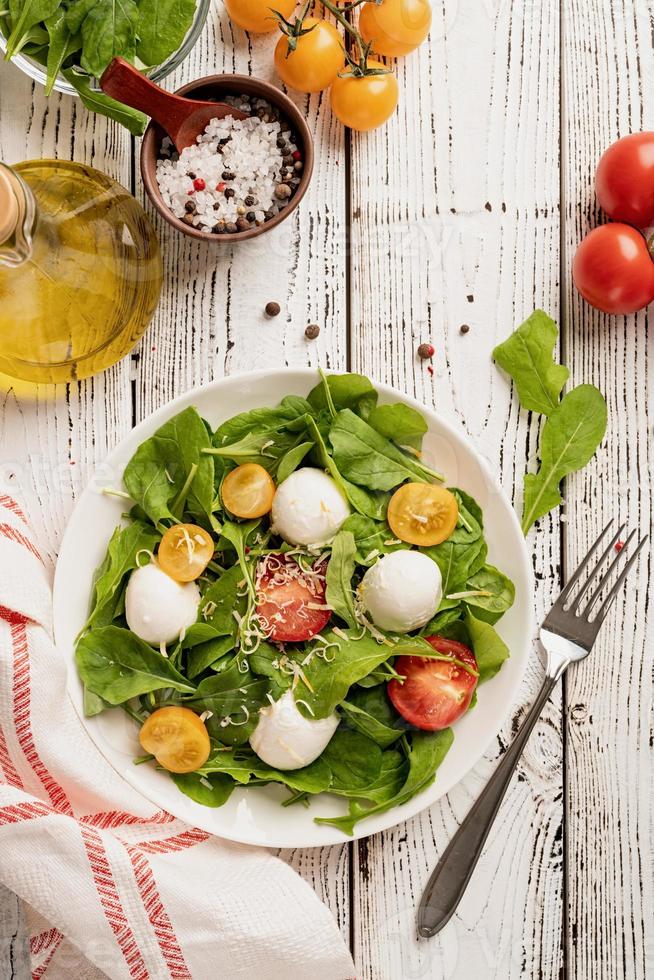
(568, 442)
(116, 665)
(125, 546)
(527, 357)
(161, 27)
(339, 577)
(400, 423)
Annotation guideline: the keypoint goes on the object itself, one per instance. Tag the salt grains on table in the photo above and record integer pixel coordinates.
(236, 177)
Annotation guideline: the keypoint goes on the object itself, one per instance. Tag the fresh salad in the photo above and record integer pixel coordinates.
(295, 598)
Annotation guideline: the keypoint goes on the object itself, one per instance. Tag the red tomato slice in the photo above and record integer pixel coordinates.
(291, 603)
(435, 693)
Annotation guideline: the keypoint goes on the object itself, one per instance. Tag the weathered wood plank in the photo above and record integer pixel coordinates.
(609, 66)
(211, 320)
(456, 221)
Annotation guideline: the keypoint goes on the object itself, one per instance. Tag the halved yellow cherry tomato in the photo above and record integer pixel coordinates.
(422, 513)
(248, 491)
(185, 551)
(317, 59)
(364, 101)
(177, 738)
(256, 15)
(395, 27)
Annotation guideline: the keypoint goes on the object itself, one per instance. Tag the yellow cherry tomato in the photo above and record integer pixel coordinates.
(317, 59)
(177, 738)
(256, 15)
(395, 27)
(185, 551)
(248, 491)
(422, 513)
(366, 101)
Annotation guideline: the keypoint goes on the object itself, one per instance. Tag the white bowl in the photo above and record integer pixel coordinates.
(254, 816)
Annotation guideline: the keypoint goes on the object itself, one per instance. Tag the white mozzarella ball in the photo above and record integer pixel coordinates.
(157, 608)
(285, 739)
(402, 591)
(308, 508)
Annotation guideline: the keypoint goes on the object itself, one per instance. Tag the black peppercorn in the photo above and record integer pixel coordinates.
(249, 201)
(312, 331)
(464, 328)
(228, 175)
(229, 192)
(231, 228)
(189, 207)
(273, 309)
(188, 219)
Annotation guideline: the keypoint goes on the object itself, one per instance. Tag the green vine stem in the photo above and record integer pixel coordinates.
(358, 67)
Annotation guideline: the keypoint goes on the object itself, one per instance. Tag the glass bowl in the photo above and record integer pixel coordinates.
(37, 72)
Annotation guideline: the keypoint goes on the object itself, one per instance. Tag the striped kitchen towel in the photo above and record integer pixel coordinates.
(113, 888)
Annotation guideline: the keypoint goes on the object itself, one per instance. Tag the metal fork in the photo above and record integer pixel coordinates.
(568, 634)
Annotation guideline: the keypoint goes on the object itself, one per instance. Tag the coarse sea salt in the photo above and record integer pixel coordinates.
(234, 155)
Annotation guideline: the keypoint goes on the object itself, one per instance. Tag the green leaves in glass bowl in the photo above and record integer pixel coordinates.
(76, 40)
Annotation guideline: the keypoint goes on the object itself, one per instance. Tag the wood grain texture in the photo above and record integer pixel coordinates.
(14, 949)
(466, 231)
(609, 65)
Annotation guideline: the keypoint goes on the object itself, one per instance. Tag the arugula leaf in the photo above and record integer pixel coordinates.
(340, 570)
(157, 475)
(121, 558)
(489, 648)
(399, 423)
(162, 26)
(427, 751)
(568, 441)
(366, 458)
(527, 357)
(109, 29)
(115, 664)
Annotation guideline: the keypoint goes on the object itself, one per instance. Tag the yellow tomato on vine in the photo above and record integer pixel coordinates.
(256, 15)
(309, 60)
(395, 27)
(364, 98)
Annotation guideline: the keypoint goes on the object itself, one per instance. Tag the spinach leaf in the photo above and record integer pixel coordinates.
(169, 471)
(568, 441)
(93, 704)
(266, 448)
(489, 592)
(115, 664)
(121, 558)
(340, 570)
(109, 29)
(290, 461)
(31, 13)
(234, 697)
(442, 619)
(289, 413)
(368, 459)
(213, 790)
(354, 657)
(76, 14)
(353, 391)
(354, 760)
(373, 538)
(97, 101)
(464, 552)
(366, 502)
(427, 751)
(527, 357)
(489, 648)
(400, 423)
(245, 767)
(237, 535)
(370, 712)
(207, 655)
(162, 26)
(61, 45)
(216, 616)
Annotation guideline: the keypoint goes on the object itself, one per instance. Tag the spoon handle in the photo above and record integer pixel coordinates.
(128, 85)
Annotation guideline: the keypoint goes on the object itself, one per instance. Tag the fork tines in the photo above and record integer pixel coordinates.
(576, 606)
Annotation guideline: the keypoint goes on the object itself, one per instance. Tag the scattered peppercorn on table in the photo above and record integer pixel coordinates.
(416, 250)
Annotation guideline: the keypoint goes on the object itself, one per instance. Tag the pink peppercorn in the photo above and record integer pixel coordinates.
(297, 155)
(199, 184)
(221, 186)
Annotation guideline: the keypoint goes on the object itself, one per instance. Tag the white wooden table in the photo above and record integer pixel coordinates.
(464, 209)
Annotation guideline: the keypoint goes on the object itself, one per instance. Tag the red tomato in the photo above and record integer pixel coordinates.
(613, 270)
(289, 600)
(625, 180)
(435, 693)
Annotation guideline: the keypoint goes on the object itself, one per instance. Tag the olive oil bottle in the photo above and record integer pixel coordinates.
(80, 271)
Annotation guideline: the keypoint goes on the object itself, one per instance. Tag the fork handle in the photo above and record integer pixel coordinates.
(451, 875)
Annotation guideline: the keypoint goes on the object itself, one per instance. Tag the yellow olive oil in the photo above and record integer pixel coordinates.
(80, 274)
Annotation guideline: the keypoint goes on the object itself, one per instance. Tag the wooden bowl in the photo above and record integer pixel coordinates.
(215, 88)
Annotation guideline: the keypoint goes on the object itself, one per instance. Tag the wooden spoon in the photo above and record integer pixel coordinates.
(183, 119)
